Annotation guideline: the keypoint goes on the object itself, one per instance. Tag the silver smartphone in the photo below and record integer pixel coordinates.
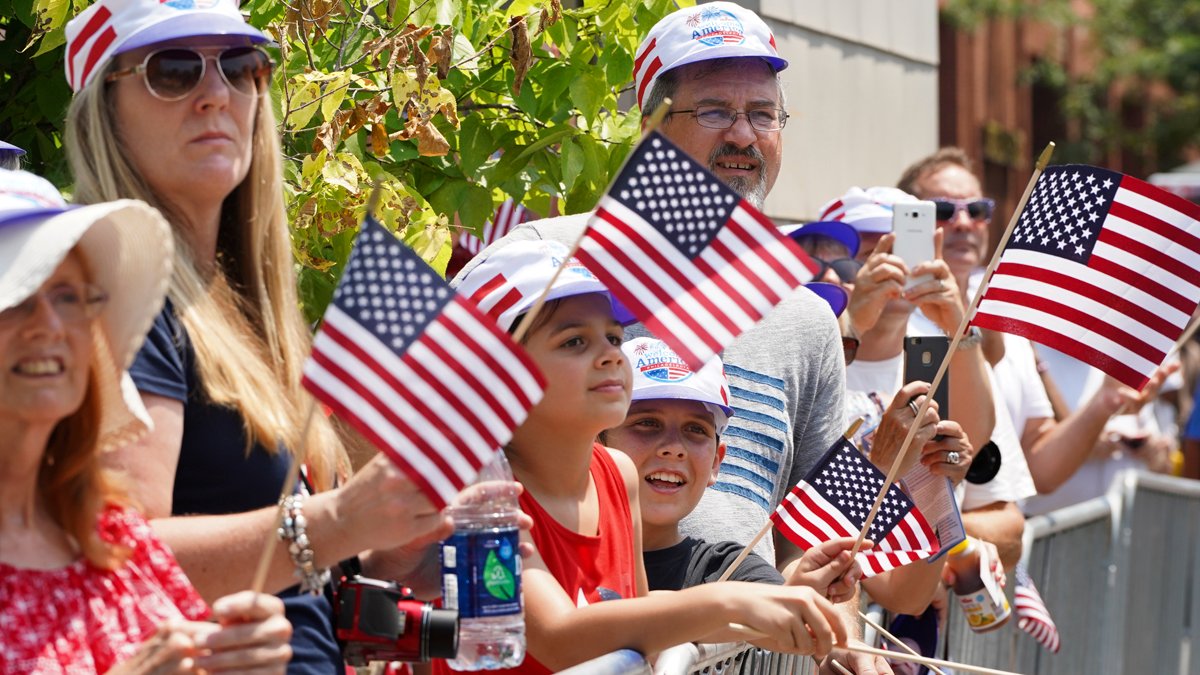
(913, 223)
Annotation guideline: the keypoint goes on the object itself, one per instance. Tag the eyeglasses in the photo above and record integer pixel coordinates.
(977, 209)
(72, 304)
(720, 117)
(849, 348)
(846, 269)
(171, 74)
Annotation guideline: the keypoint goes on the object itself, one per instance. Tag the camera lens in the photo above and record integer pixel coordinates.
(440, 628)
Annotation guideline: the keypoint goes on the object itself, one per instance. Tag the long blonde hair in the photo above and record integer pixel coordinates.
(243, 319)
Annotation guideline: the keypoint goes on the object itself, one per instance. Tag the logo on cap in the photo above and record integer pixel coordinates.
(574, 267)
(660, 365)
(713, 27)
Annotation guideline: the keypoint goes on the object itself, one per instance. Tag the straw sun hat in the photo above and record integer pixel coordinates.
(128, 249)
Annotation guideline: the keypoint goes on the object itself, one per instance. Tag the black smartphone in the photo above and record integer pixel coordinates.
(922, 357)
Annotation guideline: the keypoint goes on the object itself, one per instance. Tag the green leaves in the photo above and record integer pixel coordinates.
(415, 95)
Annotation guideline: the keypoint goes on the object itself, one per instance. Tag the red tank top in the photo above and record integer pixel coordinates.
(589, 568)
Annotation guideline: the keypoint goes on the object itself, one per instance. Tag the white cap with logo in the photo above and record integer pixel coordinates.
(714, 30)
(658, 372)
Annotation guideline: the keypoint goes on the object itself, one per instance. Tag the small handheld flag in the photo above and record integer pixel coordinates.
(696, 263)
(833, 500)
(418, 369)
(1101, 266)
(1032, 615)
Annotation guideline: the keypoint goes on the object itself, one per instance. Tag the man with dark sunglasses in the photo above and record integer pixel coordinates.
(1054, 449)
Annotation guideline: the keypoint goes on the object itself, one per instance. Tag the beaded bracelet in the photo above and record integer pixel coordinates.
(292, 532)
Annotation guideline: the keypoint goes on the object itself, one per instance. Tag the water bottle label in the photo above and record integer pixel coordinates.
(486, 571)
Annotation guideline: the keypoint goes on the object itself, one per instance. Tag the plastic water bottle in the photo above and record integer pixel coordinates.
(481, 573)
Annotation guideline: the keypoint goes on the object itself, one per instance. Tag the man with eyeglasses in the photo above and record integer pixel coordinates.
(718, 64)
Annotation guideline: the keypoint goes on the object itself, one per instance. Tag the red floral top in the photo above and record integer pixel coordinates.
(82, 619)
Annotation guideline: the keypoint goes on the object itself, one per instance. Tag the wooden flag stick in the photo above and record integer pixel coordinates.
(1043, 160)
(752, 634)
(652, 123)
(770, 523)
(746, 551)
(903, 645)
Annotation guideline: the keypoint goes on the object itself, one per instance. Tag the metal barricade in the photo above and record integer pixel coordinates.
(1069, 556)
(1156, 573)
(1118, 573)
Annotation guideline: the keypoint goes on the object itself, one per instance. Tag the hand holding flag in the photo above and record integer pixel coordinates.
(417, 369)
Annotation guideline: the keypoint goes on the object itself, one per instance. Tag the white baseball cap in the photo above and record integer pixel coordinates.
(508, 282)
(714, 30)
(111, 27)
(128, 248)
(867, 211)
(658, 372)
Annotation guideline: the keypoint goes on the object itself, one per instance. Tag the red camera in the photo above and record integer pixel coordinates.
(382, 621)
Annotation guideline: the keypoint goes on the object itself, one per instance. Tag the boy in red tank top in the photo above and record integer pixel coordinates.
(585, 588)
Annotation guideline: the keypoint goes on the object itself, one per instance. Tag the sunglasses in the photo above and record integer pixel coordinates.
(977, 209)
(171, 74)
(846, 269)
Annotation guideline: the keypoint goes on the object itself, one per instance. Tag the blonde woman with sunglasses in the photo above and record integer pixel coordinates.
(171, 106)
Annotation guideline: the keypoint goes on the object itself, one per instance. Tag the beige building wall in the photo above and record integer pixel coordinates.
(862, 88)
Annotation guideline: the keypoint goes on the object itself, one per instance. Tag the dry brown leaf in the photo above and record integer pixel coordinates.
(520, 54)
(450, 112)
(326, 138)
(551, 14)
(380, 145)
(440, 49)
(422, 65)
(430, 142)
(411, 119)
(400, 48)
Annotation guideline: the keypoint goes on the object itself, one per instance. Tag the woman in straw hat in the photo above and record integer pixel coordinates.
(171, 107)
(84, 583)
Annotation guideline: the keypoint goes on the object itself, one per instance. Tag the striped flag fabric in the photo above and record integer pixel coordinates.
(416, 368)
(1032, 615)
(833, 501)
(692, 260)
(508, 216)
(1101, 266)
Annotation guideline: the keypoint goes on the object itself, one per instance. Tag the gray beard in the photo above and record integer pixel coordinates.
(753, 190)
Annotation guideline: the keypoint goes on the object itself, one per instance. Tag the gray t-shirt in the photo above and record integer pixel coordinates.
(787, 378)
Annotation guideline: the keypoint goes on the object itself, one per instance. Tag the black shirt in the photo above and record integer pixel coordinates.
(693, 561)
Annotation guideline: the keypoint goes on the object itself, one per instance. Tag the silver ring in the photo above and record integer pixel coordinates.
(953, 457)
(912, 404)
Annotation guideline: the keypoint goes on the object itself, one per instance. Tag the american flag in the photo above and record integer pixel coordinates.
(508, 216)
(834, 500)
(1032, 615)
(1101, 266)
(696, 263)
(417, 369)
